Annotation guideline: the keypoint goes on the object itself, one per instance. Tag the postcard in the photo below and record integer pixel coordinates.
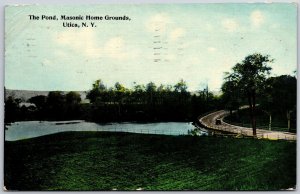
(150, 97)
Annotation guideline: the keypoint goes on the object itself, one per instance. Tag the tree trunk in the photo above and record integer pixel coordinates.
(251, 100)
(253, 112)
(270, 122)
(238, 114)
(119, 110)
(288, 116)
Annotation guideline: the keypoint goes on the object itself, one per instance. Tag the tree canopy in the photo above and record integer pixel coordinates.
(248, 78)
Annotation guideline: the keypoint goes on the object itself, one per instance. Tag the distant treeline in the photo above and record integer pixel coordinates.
(54, 106)
(142, 103)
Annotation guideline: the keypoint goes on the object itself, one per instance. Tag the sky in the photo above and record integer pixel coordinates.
(162, 43)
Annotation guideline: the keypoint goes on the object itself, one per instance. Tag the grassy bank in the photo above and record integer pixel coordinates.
(106, 161)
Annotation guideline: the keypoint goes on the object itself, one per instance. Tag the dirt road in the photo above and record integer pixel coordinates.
(209, 121)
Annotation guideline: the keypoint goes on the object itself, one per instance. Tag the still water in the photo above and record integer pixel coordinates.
(30, 129)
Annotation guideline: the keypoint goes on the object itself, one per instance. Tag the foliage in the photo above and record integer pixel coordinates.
(248, 78)
(281, 92)
(279, 122)
(231, 94)
(97, 90)
(148, 102)
(251, 73)
(73, 98)
(55, 106)
(12, 109)
(143, 103)
(39, 101)
(279, 97)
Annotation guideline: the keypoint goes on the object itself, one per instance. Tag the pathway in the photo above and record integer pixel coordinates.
(209, 121)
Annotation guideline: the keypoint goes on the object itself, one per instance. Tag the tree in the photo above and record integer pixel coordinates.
(266, 102)
(12, 109)
(56, 105)
(39, 101)
(181, 86)
(73, 98)
(250, 75)
(73, 108)
(138, 93)
(151, 90)
(97, 91)
(280, 96)
(230, 94)
(55, 98)
(120, 94)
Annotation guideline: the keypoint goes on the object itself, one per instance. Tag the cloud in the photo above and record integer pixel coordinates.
(230, 25)
(275, 26)
(175, 34)
(208, 27)
(211, 49)
(46, 62)
(60, 53)
(82, 41)
(85, 42)
(194, 60)
(158, 23)
(170, 57)
(257, 18)
(116, 49)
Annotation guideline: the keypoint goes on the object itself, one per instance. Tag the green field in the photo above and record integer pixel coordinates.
(124, 161)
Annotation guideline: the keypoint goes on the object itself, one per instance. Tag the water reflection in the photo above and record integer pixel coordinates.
(29, 129)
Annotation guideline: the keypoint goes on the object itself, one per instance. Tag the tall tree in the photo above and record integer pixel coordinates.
(73, 98)
(151, 90)
(120, 95)
(39, 101)
(181, 86)
(56, 105)
(280, 96)
(230, 94)
(138, 93)
(250, 75)
(97, 91)
(12, 109)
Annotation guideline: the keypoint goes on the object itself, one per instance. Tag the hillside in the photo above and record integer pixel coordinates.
(26, 94)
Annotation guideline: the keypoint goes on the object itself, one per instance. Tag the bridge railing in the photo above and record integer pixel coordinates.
(147, 131)
(249, 133)
(234, 133)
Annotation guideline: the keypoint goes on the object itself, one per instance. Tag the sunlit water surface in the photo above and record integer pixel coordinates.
(30, 129)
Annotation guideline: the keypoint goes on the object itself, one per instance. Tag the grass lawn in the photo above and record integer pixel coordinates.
(124, 161)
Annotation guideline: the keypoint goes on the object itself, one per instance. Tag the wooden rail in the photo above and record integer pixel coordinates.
(209, 122)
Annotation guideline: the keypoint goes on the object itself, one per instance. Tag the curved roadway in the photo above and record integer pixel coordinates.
(209, 121)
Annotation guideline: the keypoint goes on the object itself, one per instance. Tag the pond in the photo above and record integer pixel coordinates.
(30, 129)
